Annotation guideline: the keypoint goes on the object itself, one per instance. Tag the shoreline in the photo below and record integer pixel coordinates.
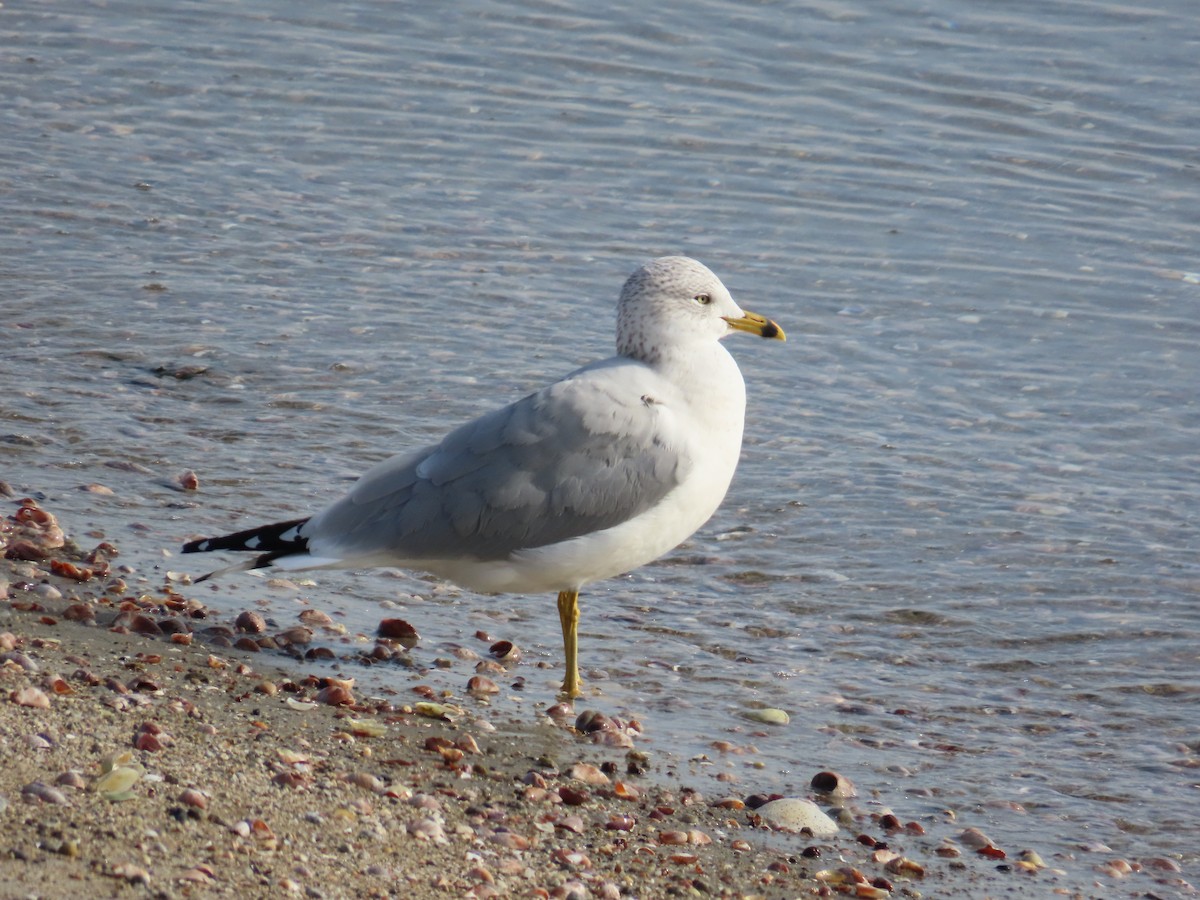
(147, 751)
(245, 779)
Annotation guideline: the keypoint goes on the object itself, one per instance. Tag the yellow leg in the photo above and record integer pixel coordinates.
(568, 615)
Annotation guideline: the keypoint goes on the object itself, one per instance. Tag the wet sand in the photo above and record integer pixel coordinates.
(146, 753)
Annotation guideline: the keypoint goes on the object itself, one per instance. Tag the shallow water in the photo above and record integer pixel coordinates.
(276, 243)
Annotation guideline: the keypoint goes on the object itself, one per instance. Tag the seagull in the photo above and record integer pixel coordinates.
(590, 477)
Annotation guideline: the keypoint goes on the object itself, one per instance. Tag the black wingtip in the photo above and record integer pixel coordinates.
(274, 540)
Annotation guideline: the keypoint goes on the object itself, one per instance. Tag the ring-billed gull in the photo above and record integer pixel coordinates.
(592, 476)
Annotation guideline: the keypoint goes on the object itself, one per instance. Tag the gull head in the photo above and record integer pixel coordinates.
(672, 302)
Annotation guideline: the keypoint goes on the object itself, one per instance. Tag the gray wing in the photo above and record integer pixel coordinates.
(581, 455)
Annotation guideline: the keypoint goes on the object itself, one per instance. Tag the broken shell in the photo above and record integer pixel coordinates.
(26, 551)
(71, 778)
(481, 686)
(571, 859)
(615, 739)
(427, 830)
(335, 695)
(797, 814)
(398, 630)
(587, 773)
(845, 875)
(114, 760)
(290, 779)
(904, 867)
(69, 570)
(194, 798)
(573, 796)
(131, 873)
(21, 659)
(838, 787)
(297, 634)
(79, 612)
(871, 892)
(437, 710)
(510, 840)
(37, 792)
(198, 875)
(315, 618)
(250, 622)
(1116, 868)
(366, 727)
(32, 697)
(291, 757)
(151, 743)
(1035, 860)
(367, 782)
(505, 651)
(768, 716)
(144, 684)
(590, 721)
(975, 839)
(1162, 863)
(561, 714)
(467, 744)
(115, 784)
(143, 624)
(626, 791)
(570, 823)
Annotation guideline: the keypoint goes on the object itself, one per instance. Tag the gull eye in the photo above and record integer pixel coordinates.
(703, 299)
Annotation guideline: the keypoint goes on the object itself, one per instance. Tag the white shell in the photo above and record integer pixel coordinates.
(794, 814)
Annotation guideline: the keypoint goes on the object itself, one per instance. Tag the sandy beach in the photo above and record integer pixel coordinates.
(151, 752)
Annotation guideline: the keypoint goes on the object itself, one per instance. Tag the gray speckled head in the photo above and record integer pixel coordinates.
(671, 302)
